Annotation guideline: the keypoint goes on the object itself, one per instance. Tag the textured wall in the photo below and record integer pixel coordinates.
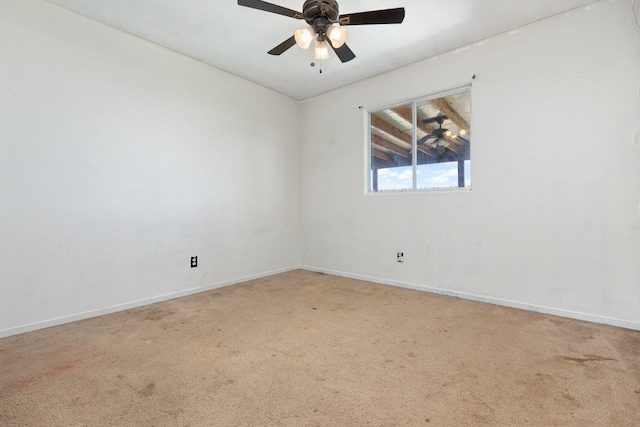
(551, 221)
(119, 160)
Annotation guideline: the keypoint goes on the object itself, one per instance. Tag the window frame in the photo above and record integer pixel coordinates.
(414, 105)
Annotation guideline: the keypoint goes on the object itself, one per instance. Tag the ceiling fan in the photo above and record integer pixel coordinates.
(325, 25)
(439, 135)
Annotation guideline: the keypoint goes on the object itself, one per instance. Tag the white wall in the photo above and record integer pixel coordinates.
(119, 160)
(551, 222)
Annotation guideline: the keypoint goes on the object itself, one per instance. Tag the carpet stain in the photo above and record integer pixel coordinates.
(61, 369)
(157, 314)
(22, 384)
(586, 358)
(412, 354)
(56, 371)
(568, 397)
(176, 413)
(147, 390)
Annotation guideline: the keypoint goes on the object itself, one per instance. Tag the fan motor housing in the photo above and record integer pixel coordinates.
(312, 9)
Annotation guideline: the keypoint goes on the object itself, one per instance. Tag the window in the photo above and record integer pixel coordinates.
(422, 145)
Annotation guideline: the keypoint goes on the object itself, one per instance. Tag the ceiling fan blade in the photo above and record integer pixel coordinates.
(386, 16)
(344, 53)
(273, 8)
(283, 47)
(424, 139)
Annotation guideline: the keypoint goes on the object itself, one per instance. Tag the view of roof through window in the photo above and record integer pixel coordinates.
(429, 151)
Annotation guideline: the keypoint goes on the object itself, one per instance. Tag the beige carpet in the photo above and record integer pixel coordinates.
(306, 349)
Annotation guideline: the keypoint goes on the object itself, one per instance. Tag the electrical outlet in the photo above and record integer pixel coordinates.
(194, 261)
(400, 256)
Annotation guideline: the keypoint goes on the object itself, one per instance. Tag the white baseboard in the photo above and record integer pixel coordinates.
(134, 304)
(140, 303)
(497, 301)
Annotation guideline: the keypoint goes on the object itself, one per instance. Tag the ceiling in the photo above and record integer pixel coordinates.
(236, 39)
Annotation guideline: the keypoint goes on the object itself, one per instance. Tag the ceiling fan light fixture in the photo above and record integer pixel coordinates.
(304, 37)
(337, 35)
(321, 51)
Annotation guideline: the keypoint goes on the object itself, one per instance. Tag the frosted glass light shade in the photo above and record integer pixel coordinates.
(337, 35)
(304, 37)
(321, 50)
